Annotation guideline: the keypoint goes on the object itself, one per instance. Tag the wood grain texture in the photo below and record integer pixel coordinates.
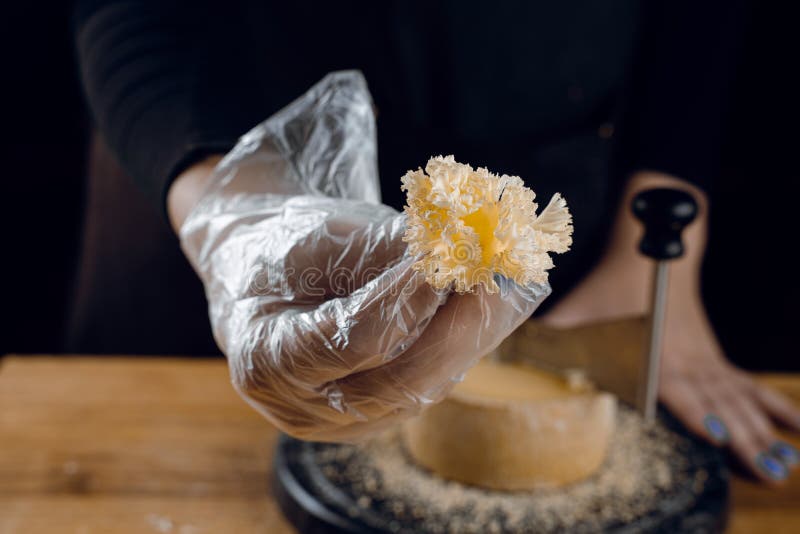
(130, 445)
(107, 445)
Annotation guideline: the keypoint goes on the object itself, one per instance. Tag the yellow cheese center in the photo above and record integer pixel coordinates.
(483, 221)
(506, 381)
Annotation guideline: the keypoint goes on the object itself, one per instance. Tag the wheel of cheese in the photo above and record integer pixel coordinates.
(512, 427)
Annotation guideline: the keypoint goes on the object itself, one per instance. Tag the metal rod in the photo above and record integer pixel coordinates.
(648, 383)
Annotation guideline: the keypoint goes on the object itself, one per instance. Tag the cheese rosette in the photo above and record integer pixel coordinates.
(469, 225)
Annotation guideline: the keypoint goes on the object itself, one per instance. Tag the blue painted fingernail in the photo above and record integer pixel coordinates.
(785, 453)
(771, 466)
(716, 428)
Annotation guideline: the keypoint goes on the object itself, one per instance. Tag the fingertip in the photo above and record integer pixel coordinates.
(716, 429)
(786, 453)
(770, 467)
(696, 415)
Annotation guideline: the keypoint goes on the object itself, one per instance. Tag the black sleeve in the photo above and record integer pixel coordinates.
(166, 82)
(677, 100)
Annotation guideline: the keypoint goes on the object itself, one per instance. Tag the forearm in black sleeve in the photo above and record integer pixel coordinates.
(676, 105)
(166, 82)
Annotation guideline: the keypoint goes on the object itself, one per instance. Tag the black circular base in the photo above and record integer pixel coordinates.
(315, 503)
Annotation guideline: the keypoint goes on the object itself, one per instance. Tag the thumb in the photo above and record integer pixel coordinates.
(464, 329)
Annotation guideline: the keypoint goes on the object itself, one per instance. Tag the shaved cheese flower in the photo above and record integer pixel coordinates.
(467, 224)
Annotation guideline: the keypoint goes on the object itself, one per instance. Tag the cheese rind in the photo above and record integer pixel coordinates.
(494, 432)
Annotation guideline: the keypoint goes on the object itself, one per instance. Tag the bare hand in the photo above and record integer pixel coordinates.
(724, 404)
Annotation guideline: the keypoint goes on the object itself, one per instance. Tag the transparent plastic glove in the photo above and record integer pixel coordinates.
(328, 330)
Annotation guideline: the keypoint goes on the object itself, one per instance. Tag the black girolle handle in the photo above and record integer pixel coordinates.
(664, 214)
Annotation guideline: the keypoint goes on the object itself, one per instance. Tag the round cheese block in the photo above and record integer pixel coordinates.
(509, 426)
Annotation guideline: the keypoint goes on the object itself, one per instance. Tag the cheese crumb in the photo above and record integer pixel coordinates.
(468, 224)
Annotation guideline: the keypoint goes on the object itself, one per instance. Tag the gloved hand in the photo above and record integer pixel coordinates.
(328, 330)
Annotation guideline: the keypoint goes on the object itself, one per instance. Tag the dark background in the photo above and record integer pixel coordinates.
(750, 280)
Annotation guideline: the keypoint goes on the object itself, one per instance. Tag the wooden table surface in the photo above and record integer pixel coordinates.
(130, 445)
